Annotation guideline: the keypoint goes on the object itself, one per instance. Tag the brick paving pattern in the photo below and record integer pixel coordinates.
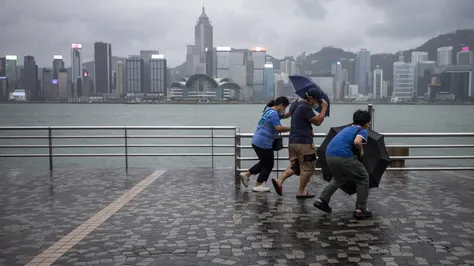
(199, 217)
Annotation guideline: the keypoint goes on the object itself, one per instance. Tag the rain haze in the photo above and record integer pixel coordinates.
(44, 28)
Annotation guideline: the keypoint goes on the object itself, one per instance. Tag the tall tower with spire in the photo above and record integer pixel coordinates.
(203, 34)
(198, 59)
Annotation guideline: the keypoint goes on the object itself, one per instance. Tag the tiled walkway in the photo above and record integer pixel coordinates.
(199, 217)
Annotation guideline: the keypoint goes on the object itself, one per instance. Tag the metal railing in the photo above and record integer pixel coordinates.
(50, 134)
(239, 147)
(125, 136)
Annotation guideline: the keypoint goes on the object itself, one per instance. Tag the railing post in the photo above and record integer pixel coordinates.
(50, 148)
(126, 148)
(372, 113)
(212, 147)
(237, 141)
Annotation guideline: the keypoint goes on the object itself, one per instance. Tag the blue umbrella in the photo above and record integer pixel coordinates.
(303, 84)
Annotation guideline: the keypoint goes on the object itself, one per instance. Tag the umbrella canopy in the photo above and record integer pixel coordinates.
(302, 84)
(375, 159)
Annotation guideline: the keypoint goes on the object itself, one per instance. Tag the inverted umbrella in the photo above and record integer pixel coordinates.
(302, 84)
(375, 159)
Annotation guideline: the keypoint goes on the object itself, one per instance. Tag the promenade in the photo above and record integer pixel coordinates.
(200, 217)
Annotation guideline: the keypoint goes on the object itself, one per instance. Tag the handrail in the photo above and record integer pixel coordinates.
(415, 134)
(56, 133)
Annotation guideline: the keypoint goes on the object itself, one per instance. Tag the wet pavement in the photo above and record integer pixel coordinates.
(199, 217)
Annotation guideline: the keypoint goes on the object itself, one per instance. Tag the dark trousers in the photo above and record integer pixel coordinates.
(265, 165)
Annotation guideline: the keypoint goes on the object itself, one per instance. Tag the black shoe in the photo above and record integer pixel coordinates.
(322, 205)
(362, 213)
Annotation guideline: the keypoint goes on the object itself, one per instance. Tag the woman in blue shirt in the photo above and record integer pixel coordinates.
(268, 128)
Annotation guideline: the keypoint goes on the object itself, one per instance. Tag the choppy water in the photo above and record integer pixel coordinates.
(388, 118)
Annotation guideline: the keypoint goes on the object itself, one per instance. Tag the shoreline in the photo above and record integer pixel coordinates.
(237, 103)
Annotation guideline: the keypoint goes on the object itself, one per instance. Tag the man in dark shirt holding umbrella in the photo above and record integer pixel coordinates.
(301, 151)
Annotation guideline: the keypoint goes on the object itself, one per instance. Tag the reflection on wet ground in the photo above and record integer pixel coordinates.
(201, 218)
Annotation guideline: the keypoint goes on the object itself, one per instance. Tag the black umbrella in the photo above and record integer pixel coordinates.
(375, 159)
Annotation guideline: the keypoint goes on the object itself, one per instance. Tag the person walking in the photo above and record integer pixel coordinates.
(268, 128)
(342, 157)
(301, 150)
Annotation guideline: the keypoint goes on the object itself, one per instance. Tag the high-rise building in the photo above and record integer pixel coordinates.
(64, 91)
(377, 83)
(403, 80)
(103, 68)
(269, 81)
(58, 63)
(349, 65)
(3, 68)
(288, 65)
(3, 79)
(12, 72)
(417, 57)
(259, 56)
(384, 89)
(87, 84)
(146, 56)
(222, 62)
(423, 77)
(134, 74)
(158, 75)
(76, 67)
(444, 56)
(197, 56)
(336, 71)
(47, 78)
(203, 35)
(30, 78)
(120, 82)
(465, 57)
(363, 71)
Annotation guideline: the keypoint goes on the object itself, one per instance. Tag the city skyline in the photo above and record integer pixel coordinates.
(127, 36)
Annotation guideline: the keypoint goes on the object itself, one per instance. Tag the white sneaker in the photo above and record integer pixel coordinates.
(244, 179)
(261, 188)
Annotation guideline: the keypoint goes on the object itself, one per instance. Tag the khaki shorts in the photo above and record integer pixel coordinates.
(302, 159)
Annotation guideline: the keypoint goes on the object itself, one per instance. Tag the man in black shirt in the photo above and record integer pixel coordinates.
(301, 147)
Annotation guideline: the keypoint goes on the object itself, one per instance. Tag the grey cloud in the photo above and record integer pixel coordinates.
(44, 28)
(310, 9)
(422, 18)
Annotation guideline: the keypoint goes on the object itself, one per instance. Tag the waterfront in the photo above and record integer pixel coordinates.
(388, 118)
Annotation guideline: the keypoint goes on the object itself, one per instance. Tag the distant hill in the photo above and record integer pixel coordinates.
(320, 62)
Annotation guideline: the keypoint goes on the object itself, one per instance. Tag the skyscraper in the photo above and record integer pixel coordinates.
(259, 56)
(378, 83)
(146, 56)
(3, 79)
(134, 74)
(76, 67)
(120, 82)
(417, 57)
(203, 35)
(269, 81)
(46, 91)
(58, 63)
(363, 71)
(158, 75)
(336, 71)
(197, 56)
(464, 57)
(403, 80)
(12, 72)
(30, 78)
(444, 56)
(103, 67)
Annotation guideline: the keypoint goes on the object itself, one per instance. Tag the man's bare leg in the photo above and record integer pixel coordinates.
(304, 180)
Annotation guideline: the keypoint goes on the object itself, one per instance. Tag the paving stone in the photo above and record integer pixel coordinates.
(199, 217)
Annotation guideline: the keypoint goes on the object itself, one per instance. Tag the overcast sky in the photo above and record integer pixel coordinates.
(44, 28)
